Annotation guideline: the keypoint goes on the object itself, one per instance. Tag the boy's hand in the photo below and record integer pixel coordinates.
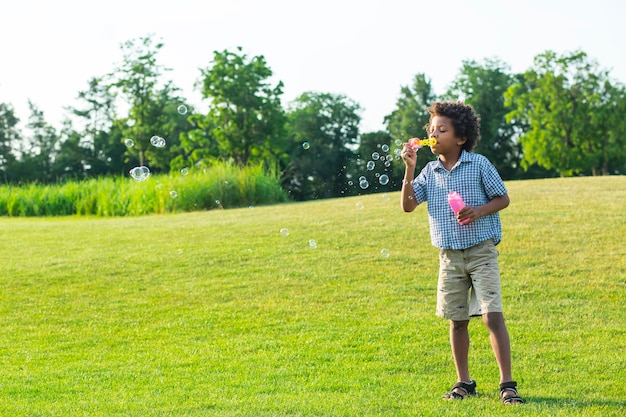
(409, 155)
(467, 214)
(474, 213)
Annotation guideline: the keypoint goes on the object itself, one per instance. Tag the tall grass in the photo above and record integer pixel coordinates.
(219, 314)
(220, 186)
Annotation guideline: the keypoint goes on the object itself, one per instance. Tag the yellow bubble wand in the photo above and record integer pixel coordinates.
(417, 142)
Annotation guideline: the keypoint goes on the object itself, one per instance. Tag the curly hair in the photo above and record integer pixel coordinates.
(464, 119)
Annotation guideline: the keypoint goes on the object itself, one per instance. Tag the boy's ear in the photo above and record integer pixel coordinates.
(461, 141)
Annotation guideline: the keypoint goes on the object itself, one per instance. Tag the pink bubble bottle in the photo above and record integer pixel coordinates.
(456, 204)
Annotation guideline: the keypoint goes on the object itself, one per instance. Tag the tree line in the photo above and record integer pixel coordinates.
(561, 117)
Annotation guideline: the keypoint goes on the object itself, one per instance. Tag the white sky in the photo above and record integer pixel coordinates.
(364, 49)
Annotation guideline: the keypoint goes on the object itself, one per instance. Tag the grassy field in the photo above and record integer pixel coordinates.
(222, 185)
(217, 313)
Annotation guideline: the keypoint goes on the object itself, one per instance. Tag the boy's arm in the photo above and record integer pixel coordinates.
(496, 204)
(407, 195)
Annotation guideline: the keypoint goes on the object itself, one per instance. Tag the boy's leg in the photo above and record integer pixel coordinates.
(452, 304)
(488, 296)
(500, 343)
(460, 342)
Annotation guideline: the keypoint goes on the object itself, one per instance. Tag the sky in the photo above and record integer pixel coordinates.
(365, 50)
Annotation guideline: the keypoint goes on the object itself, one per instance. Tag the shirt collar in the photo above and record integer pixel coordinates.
(464, 157)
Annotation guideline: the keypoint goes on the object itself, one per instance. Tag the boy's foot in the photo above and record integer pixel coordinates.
(461, 390)
(509, 395)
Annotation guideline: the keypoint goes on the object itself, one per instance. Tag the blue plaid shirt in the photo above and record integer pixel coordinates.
(478, 182)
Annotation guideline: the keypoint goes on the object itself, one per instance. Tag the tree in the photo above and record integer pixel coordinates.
(9, 138)
(409, 119)
(153, 104)
(374, 163)
(557, 99)
(70, 159)
(322, 128)
(609, 144)
(198, 146)
(483, 86)
(102, 151)
(39, 150)
(245, 120)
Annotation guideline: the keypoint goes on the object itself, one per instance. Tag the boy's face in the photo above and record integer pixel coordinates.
(442, 129)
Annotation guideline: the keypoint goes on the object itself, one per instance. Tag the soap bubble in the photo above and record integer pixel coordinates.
(375, 156)
(384, 252)
(129, 143)
(157, 141)
(306, 145)
(370, 165)
(359, 206)
(385, 148)
(284, 232)
(140, 173)
(173, 194)
(364, 184)
(383, 179)
(184, 171)
(182, 109)
(313, 244)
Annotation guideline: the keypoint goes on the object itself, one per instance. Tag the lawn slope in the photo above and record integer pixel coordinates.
(217, 313)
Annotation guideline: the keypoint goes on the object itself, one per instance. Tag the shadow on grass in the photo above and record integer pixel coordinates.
(577, 403)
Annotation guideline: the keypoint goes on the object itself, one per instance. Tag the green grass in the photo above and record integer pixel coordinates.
(216, 314)
(223, 185)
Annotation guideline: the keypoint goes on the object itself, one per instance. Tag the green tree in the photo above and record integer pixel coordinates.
(39, 149)
(557, 100)
(374, 162)
(482, 85)
(70, 161)
(9, 138)
(607, 150)
(409, 118)
(152, 104)
(102, 150)
(323, 129)
(198, 145)
(245, 120)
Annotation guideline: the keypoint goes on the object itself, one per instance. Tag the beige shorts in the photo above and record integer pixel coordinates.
(469, 282)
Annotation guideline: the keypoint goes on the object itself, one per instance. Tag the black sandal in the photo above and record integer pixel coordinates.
(514, 399)
(470, 389)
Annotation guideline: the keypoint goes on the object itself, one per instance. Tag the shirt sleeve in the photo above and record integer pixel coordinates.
(420, 185)
(494, 186)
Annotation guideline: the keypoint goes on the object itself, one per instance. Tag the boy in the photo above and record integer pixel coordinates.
(468, 259)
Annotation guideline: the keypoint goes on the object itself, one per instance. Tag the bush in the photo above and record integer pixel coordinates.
(223, 185)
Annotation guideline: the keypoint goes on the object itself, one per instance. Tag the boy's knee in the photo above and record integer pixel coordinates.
(459, 325)
(494, 321)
